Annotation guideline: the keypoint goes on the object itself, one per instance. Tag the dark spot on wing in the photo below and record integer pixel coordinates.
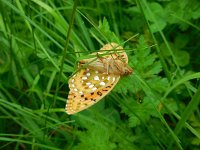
(92, 93)
(108, 86)
(99, 93)
(93, 99)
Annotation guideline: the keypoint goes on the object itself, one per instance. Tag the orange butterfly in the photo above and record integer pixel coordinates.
(91, 84)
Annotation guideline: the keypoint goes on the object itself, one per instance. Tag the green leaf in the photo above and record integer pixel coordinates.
(159, 23)
(182, 57)
(141, 111)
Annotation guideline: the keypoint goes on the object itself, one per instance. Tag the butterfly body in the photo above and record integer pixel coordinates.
(91, 84)
(109, 66)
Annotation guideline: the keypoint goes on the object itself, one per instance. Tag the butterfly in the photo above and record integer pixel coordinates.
(99, 76)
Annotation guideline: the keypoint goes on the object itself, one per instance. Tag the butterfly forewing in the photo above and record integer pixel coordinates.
(90, 85)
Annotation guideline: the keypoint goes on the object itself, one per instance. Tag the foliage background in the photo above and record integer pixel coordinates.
(157, 107)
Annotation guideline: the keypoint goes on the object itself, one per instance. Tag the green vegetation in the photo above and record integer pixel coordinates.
(156, 107)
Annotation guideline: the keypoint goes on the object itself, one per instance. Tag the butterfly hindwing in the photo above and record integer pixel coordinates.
(88, 87)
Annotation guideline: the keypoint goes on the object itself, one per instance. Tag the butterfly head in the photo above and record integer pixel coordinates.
(127, 70)
(121, 68)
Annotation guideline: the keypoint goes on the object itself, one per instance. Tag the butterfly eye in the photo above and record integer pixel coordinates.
(127, 71)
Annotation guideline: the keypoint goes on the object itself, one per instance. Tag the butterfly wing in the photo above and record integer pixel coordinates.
(88, 86)
(120, 54)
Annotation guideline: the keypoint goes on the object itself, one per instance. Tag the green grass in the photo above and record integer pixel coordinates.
(156, 107)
